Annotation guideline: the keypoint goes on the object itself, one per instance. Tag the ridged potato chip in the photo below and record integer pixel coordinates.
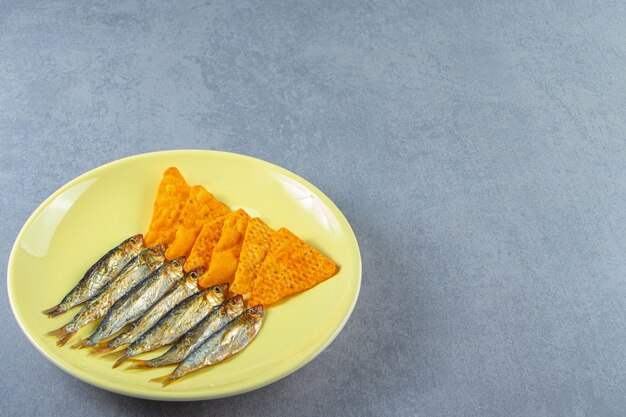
(291, 266)
(201, 207)
(225, 255)
(205, 242)
(256, 243)
(168, 206)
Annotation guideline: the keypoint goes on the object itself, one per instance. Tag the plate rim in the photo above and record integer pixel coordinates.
(167, 396)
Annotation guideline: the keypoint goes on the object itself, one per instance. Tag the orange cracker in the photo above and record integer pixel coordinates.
(225, 255)
(201, 207)
(168, 205)
(205, 242)
(291, 266)
(256, 243)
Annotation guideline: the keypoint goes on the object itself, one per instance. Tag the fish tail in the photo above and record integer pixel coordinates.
(63, 340)
(62, 334)
(140, 364)
(165, 379)
(102, 347)
(81, 344)
(120, 361)
(120, 355)
(93, 352)
(54, 311)
(57, 333)
(115, 355)
(169, 381)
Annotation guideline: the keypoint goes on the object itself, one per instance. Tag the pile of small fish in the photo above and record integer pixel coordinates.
(147, 302)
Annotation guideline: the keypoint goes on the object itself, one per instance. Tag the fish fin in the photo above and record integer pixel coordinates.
(120, 355)
(163, 380)
(54, 311)
(120, 361)
(63, 340)
(62, 334)
(57, 333)
(140, 364)
(80, 344)
(115, 355)
(102, 347)
(169, 381)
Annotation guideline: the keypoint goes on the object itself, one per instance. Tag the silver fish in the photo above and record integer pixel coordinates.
(176, 323)
(231, 339)
(98, 275)
(184, 289)
(136, 301)
(217, 319)
(143, 265)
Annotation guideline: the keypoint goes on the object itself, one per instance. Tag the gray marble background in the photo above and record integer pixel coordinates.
(477, 148)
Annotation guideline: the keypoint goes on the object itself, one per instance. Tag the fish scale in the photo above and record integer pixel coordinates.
(98, 275)
(137, 301)
(141, 266)
(184, 289)
(223, 344)
(176, 323)
(217, 319)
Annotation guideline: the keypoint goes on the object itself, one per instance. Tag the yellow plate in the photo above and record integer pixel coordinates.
(97, 210)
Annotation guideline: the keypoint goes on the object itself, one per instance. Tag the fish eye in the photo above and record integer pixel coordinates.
(218, 289)
(133, 240)
(176, 263)
(194, 274)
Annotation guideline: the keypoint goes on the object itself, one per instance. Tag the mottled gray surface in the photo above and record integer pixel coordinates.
(477, 148)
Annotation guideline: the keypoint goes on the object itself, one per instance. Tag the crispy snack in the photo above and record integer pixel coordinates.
(201, 207)
(225, 255)
(170, 199)
(256, 243)
(205, 242)
(291, 266)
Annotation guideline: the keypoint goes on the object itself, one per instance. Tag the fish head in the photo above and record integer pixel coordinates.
(233, 306)
(197, 273)
(252, 319)
(155, 255)
(256, 313)
(175, 267)
(216, 294)
(133, 244)
(191, 278)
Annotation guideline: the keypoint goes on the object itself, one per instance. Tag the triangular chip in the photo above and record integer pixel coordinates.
(201, 207)
(256, 243)
(204, 244)
(291, 266)
(225, 255)
(168, 205)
